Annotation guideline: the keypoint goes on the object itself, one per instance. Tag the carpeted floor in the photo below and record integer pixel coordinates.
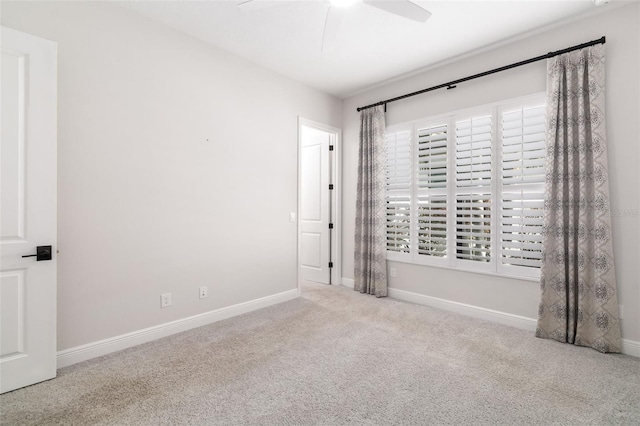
(337, 357)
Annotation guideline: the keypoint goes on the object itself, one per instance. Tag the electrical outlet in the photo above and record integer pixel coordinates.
(203, 292)
(392, 271)
(292, 216)
(620, 311)
(165, 300)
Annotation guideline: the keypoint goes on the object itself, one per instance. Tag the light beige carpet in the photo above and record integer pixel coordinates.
(336, 357)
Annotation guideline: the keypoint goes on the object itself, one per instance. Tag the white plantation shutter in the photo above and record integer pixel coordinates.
(398, 223)
(522, 228)
(399, 160)
(399, 191)
(431, 191)
(523, 176)
(473, 152)
(523, 145)
(473, 227)
(473, 188)
(467, 190)
(432, 225)
(432, 157)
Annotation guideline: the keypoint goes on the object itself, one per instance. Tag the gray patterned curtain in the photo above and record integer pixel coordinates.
(578, 284)
(370, 245)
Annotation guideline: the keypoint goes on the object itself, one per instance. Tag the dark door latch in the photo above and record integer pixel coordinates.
(42, 253)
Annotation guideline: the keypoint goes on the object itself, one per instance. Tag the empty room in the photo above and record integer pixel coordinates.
(320, 212)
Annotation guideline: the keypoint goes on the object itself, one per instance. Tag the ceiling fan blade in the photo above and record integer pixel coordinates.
(331, 27)
(403, 8)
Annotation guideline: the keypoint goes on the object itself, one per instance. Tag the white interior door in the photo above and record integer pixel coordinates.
(28, 210)
(314, 209)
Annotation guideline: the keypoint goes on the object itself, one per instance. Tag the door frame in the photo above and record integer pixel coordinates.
(335, 195)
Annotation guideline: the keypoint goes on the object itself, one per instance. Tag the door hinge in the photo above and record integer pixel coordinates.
(331, 226)
(330, 186)
(330, 147)
(330, 264)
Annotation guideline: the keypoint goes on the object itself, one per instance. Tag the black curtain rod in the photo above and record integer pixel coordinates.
(452, 84)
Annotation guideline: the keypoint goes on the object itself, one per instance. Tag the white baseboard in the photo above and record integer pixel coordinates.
(504, 318)
(629, 347)
(103, 347)
(348, 282)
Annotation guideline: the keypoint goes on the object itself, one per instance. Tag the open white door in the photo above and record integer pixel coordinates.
(28, 182)
(317, 205)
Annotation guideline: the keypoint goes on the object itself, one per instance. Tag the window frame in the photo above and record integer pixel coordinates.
(495, 265)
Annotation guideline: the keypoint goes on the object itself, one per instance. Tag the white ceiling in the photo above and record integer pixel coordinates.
(372, 46)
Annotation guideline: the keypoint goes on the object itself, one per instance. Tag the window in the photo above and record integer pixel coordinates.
(466, 190)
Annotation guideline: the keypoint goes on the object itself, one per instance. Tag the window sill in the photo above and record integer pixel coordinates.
(535, 279)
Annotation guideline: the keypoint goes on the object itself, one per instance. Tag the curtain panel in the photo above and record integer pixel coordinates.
(578, 302)
(370, 266)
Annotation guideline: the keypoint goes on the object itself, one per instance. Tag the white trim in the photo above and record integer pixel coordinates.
(504, 318)
(511, 275)
(629, 347)
(336, 194)
(113, 344)
(348, 282)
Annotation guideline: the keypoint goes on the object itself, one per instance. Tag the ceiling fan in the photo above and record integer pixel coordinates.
(335, 14)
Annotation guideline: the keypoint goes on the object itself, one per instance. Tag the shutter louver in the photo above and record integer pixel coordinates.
(473, 152)
(523, 146)
(398, 191)
(398, 223)
(432, 226)
(399, 161)
(432, 157)
(522, 229)
(473, 227)
(431, 200)
(473, 189)
(523, 177)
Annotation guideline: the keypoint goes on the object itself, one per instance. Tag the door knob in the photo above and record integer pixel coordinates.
(42, 253)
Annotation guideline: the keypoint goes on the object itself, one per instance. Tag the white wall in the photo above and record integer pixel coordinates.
(177, 169)
(620, 26)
